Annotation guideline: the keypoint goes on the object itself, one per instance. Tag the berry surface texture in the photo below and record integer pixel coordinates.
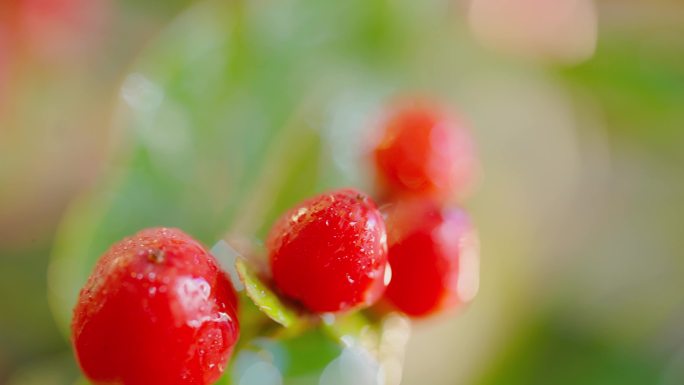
(156, 310)
(330, 252)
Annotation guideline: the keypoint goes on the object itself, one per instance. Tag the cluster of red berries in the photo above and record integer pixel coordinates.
(158, 310)
(425, 159)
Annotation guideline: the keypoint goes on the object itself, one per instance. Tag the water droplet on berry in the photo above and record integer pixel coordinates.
(388, 274)
(299, 214)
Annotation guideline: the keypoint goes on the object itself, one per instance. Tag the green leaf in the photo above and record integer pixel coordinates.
(309, 352)
(264, 298)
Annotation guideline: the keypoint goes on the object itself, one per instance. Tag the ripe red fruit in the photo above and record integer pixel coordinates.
(424, 151)
(330, 252)
(434, 257)
(157, 310)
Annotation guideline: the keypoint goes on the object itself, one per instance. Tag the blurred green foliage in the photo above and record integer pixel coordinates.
(640, 88)
(553, 350)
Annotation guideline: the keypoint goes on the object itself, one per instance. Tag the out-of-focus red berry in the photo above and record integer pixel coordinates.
(157, 310)
(434, 254)
(61, 30)
(330, 252)
(424, 151)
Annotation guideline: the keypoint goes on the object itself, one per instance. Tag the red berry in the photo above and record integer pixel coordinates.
(156, 310)
(423, 151)
(330, 252)
(434, 257)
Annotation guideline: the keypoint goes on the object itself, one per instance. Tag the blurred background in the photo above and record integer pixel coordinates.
(214, 116)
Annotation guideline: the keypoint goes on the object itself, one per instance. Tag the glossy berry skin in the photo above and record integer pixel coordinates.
(157, 310)
(424, 152)
(330, 252)
(434, 257)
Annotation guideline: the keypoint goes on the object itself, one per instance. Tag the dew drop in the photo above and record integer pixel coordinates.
(388, 275)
